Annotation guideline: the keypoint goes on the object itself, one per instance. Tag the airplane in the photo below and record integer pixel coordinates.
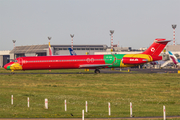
(89, 61)
(157, 62)
(71, 51)
(154, 62)
(174, 59)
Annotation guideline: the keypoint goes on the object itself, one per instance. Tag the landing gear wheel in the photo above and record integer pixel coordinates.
(12, 71)
(97, 71)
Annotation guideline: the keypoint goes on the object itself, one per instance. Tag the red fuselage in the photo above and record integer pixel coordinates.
(59, 62)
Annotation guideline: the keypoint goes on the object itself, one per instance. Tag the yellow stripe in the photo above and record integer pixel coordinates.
(49, 45)
(15, 66)
(145, 56)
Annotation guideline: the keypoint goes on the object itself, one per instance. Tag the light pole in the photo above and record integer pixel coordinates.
(111, 31)
(14, 41)
(174, 26)
(50, 50)
(49, 39)
(72, 41)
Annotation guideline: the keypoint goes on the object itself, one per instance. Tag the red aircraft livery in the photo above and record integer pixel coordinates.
(89, 61)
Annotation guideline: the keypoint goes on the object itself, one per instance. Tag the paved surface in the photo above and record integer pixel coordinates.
(136, 70)
(154, 70)
(109, 71)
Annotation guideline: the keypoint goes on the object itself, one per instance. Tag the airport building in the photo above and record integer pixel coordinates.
(43, 50)
(175, 49)
(4, 57)
(79, 49)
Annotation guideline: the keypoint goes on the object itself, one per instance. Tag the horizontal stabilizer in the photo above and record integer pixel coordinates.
(163, 41)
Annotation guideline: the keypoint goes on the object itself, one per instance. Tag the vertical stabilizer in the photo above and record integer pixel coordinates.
(71, 51)
(173, 58)
(157, 47)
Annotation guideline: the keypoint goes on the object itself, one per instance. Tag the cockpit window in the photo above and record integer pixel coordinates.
(14, 61)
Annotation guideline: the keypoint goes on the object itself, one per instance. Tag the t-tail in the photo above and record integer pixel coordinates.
(156, 48)
(71, 51)
(50, 51)
(173, 58)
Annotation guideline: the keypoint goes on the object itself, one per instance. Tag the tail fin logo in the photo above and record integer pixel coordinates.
(73, 53)
(152, 49)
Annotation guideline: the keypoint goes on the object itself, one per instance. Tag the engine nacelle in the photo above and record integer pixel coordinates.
(131, 60)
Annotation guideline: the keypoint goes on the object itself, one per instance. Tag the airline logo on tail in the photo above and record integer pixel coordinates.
(50, 51)
(152, 49)
(173, 58)
(71, 51)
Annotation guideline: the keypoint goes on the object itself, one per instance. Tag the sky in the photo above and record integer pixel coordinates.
(136, 23)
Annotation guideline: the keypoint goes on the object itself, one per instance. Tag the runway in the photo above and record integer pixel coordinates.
(107, 71)
(136, 71)
(154, 70)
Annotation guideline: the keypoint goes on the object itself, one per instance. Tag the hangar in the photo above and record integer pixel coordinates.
(175, 49)
(43, 50)
(4, 57)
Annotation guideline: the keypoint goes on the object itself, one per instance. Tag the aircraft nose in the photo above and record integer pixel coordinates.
(5, 66)
(8, 65)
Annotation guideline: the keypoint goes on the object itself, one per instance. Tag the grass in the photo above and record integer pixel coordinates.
(147, 92)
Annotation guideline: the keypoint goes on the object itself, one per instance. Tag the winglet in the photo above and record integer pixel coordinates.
(162, 41)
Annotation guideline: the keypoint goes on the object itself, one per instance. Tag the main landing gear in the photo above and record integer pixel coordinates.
(97, 71)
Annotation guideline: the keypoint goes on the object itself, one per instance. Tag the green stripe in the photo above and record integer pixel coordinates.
(8, 68)
(110, 58)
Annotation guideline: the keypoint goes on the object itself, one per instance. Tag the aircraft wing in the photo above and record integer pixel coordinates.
(94, 66)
